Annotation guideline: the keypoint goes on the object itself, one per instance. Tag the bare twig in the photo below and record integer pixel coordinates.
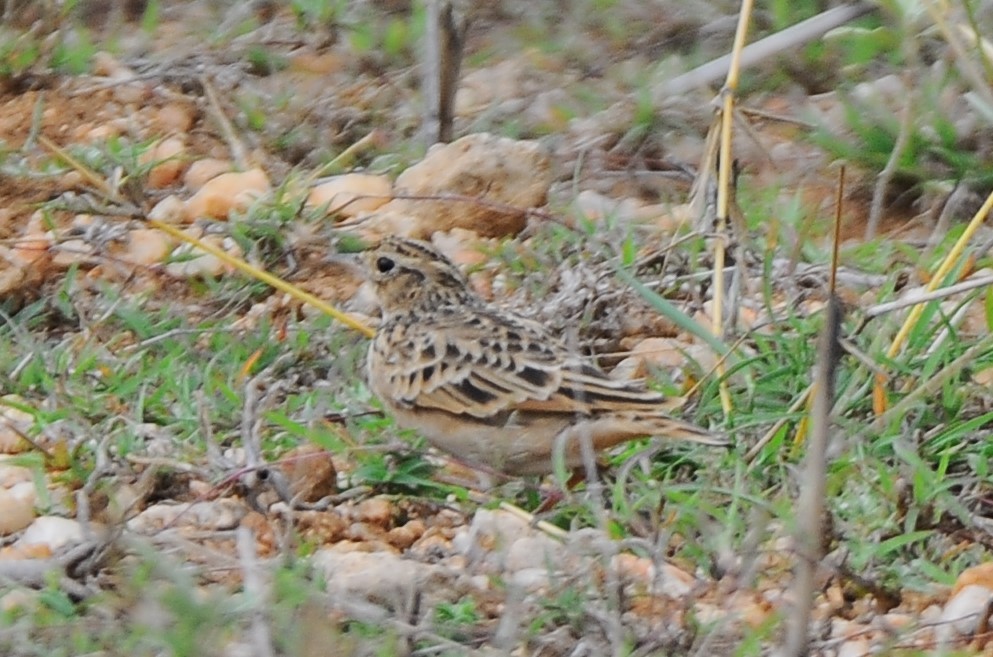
(808, 536)
(918, 297)
(886, 175)
(791, 37)
(444, 38)
(431, 73)
(255, 592)
(235, 145)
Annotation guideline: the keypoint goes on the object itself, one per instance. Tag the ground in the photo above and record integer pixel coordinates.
(193, 464)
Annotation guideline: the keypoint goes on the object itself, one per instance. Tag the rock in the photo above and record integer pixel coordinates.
(176, 117)
(962, 615)
(191, 261)
(13, 423)
(19, 600)
(596, 206)
(202, 171)
(503, 85)
(981, 575)
(405, 536)
(641, 575)
(535, 551)
(351, 194)
(376, 511)
(383, 578)
(309, 472)
(106, 65)
(146, 246)
(215, 515)
(13, 474)
(659, 352)
(665, 353)
(227, 192)
(16, 507)
(854, 648)
(53, 532)
(506, 176)
(170, 210)
(32, 247)
(167, 158)
(490, 535)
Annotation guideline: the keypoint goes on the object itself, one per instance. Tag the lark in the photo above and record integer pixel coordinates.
(494, 389)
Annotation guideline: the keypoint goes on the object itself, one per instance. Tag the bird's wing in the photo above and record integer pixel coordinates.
(487, 363)
(478, 365)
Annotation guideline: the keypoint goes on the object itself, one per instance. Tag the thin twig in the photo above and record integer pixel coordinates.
(792, 37)
(255, 592)
(907, 116)
(918, 297)
(235, 145)
(808, 536)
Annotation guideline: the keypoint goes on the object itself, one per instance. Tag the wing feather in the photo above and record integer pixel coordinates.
(503, 363)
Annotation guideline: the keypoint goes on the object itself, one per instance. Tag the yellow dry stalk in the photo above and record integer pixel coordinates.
(265, 277)
(274, 281)
(879, 397)
(950, 262)
(724, 186)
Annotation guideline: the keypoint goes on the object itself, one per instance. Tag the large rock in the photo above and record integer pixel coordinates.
(501, 177)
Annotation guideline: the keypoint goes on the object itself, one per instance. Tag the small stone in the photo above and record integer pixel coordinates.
(33, 246)
(401, 537)
(18, 599)
(321, 526)
(310, 473)
(170, 210)
(596, 206)
(351, 194)
(13, 423)
(13, 474)
(146, 246)
(981, 575)
(964, 612)
(101, 133)
(215, 515)
(167, 158)
(192, 261)
(176, 118)
(375, 511)
(106, 65)
(52, 531)
(227, 192)
(202, 171)
(383, 578)
(134, 93)
(363, 532)
(16, 507)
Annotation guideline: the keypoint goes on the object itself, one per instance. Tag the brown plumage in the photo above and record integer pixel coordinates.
(490, 387)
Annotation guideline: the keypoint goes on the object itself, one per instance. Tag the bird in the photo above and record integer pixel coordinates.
(494, 389)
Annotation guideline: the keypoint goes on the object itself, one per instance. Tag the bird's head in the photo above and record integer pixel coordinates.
(410, 275)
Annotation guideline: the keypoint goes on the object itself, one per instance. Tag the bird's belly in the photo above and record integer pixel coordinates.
(523, 446)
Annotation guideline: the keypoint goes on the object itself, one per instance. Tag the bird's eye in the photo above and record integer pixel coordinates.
(384, 265)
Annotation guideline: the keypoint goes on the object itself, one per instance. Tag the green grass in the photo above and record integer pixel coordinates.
(111, 371)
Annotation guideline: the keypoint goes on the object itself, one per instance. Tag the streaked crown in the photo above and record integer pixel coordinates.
(410, 275)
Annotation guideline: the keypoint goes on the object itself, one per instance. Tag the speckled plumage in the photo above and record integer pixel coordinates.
(490, 387)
